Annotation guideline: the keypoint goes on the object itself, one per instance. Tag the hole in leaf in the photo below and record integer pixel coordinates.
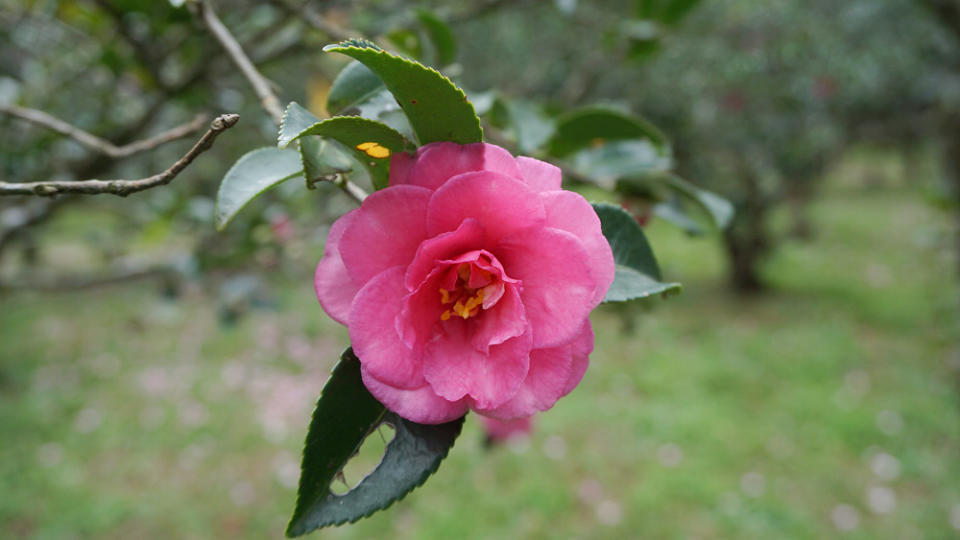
(365, 460)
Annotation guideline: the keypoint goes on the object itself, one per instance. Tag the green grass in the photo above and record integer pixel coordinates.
(125, 415)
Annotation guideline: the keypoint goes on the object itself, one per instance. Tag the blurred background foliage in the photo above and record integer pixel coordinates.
(156, 376)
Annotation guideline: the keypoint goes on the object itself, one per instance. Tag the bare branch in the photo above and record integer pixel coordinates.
(57, 283)
(260, 84)
(316, 20)
(96, 143)
(123, 187)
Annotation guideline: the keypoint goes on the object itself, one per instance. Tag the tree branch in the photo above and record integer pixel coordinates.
(316, 20)
(96, 143)
(260, 84)
(123, 187)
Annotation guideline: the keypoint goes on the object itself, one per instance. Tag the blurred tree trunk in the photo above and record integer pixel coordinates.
(947, 13)
(801, 195)
(747, 240)
(951, 167)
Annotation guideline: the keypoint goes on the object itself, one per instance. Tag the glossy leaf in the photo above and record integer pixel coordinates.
(531, 125)
(610, 161)
(296, 120)
(692, 208)
(371, 143)
(354, 85)
(592, 126)
(637, 272)
(345, 415)
(252, 174)
(441, 37)
(436, 108)
(322, 158)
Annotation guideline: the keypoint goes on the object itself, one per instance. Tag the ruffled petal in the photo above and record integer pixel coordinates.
(335, 289)
(436, 163)
(569, 211)
(580, 350)
(540, 175)
(385, 232)
(543, 386)
(502, 205)
(456, 370)
(558, 286)
(553, 373)
(421, 405)
(500, 322)
(468, 237)
(374, 335)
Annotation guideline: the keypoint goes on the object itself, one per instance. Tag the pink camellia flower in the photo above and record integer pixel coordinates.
(467, 284)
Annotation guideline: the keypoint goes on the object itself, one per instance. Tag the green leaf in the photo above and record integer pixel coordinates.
(252, 174)
(322, 158)
(436, 108)
(354, 85)
(346, 413)
(666, 11)
(592, 126)
(296, 120)
(690, 205)
(441, 37)
(637, 271)
(613, 160)
(371, 143)
(531, 125)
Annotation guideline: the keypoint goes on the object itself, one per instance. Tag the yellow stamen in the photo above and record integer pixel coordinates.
(445, 297)
(467, 302)
(374, 150)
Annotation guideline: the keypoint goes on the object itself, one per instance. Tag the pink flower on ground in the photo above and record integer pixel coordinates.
(503, 430)
(467, 284)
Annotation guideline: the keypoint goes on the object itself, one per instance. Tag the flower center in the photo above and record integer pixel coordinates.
(467, 301)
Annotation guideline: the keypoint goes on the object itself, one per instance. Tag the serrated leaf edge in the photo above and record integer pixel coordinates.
(346, 45)
(427, 474)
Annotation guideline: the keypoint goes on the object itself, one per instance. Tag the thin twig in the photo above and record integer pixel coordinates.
(96, 143)
(260, 84)
(123, 187)
(316, 20)
(54, 283)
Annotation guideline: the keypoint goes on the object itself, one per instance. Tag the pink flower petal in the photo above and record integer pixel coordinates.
(436, 163)
(335, 289)
(373, 332)
(468, 237)
(500, 322)
(420, 405)
(553, 373)
(569, 211)
(558, 286)
(500, 204)
(455, 369)
(543, 386)
(400, 165)
(386, 231)
(580, 350)
(421, 310)
(540, 175)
